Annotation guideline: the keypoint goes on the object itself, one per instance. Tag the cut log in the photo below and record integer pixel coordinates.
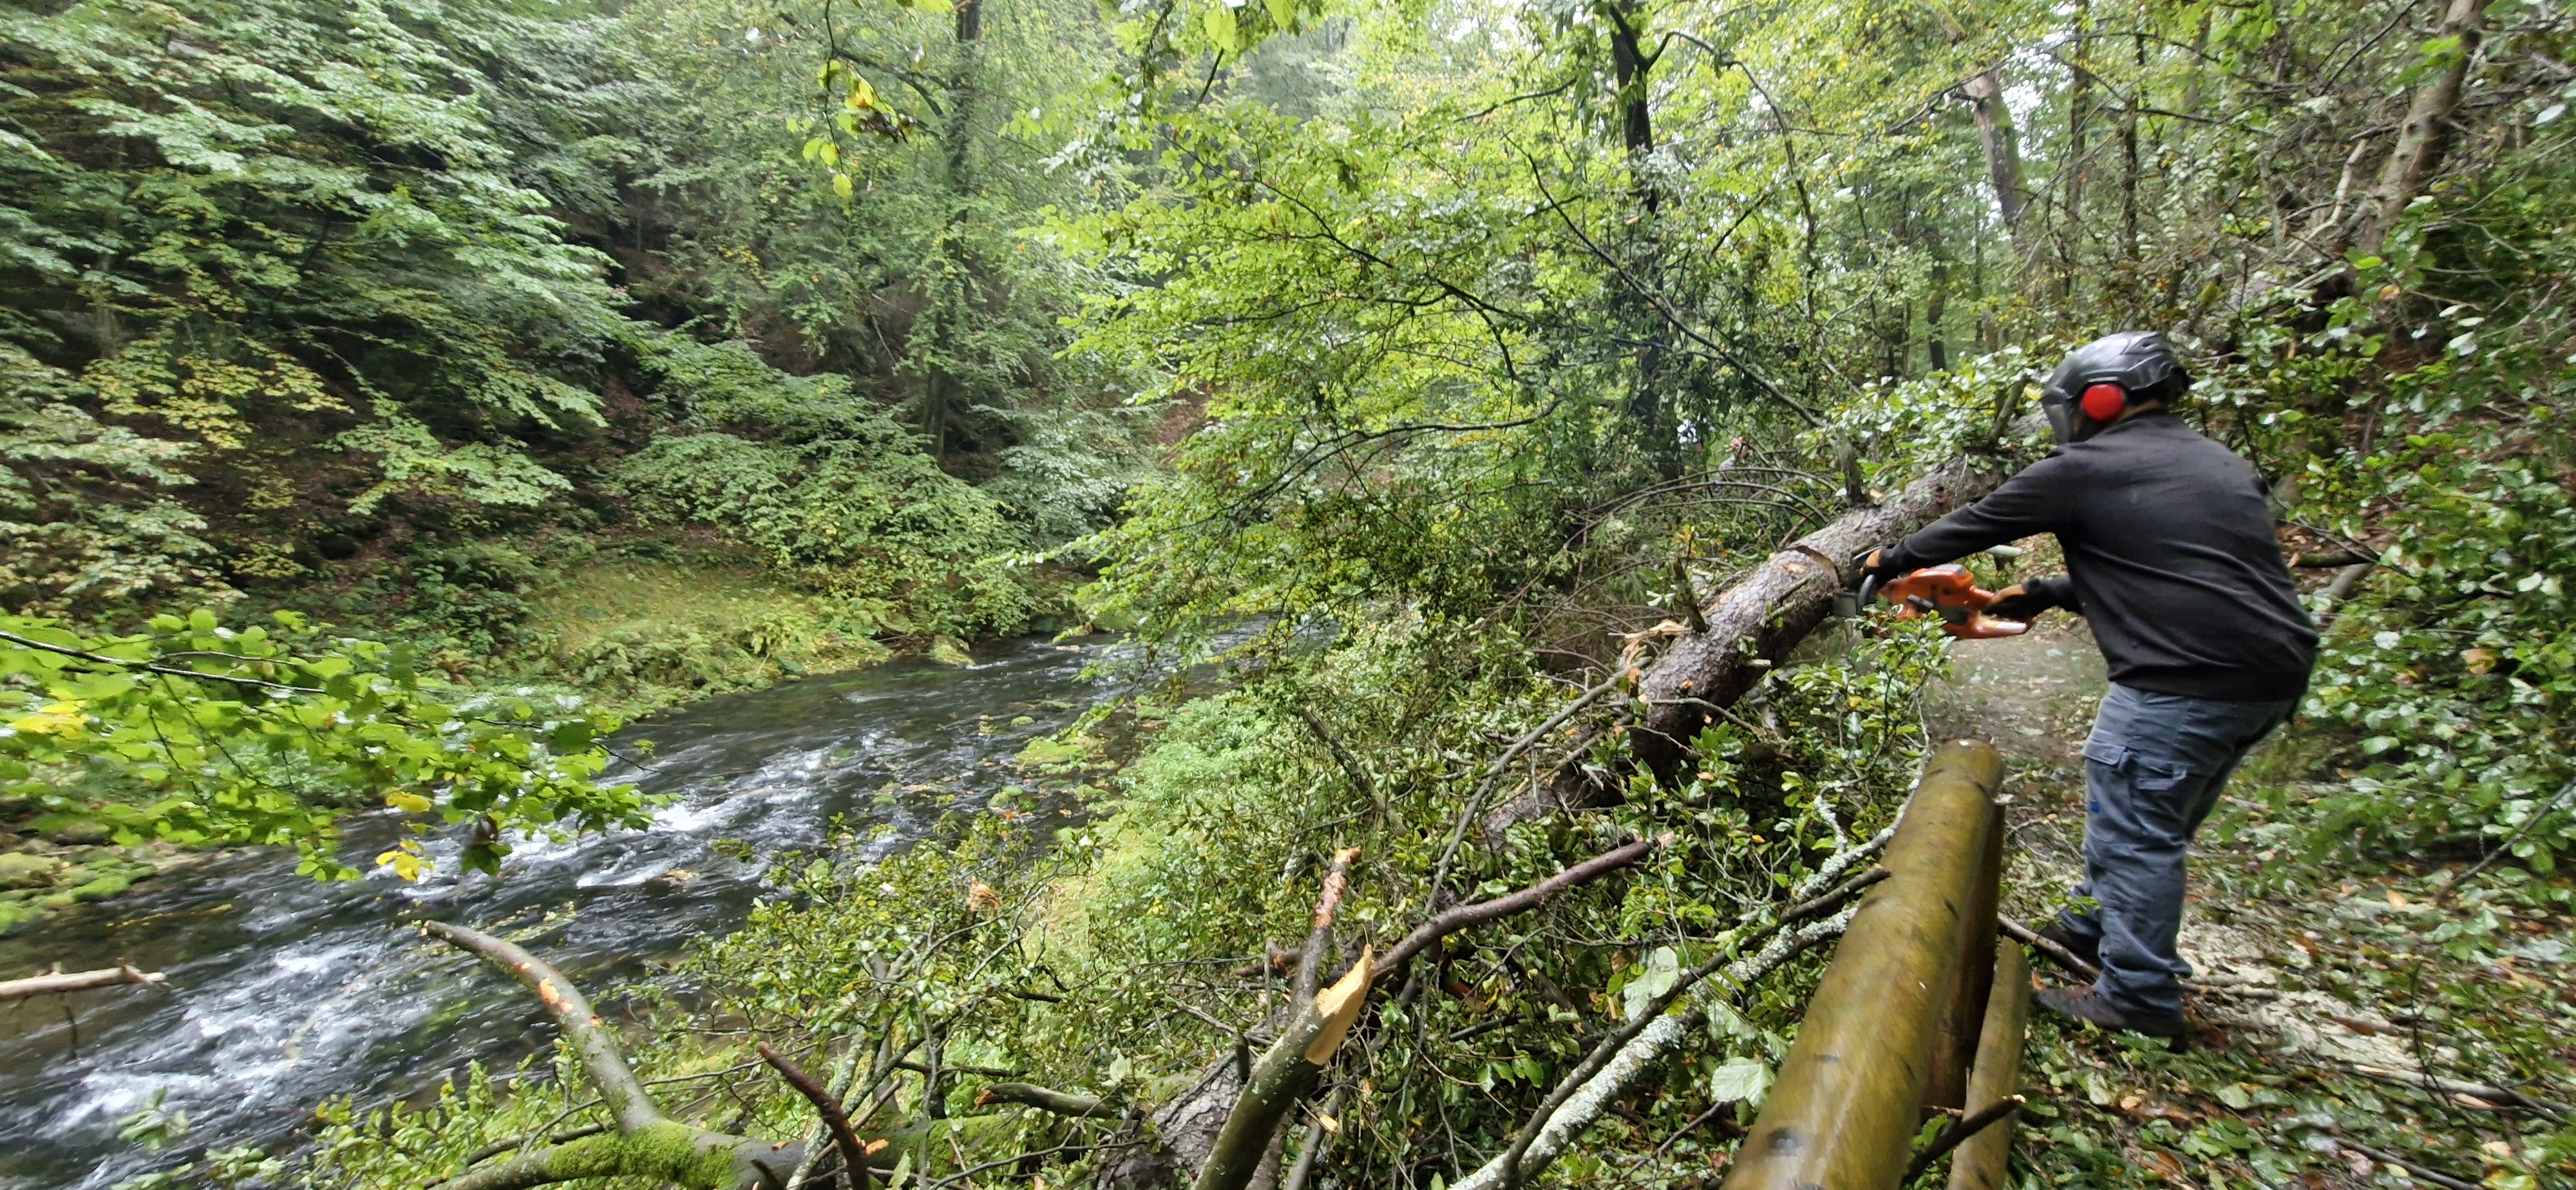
(1757, 621)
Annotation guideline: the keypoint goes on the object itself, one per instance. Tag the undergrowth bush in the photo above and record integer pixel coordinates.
(829, 488)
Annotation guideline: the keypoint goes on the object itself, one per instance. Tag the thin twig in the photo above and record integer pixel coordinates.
(1957, 1133)
(2056, 954)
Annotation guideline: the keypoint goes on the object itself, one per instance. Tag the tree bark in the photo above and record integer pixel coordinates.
(1047, 1099)
(2003, 156)
(2425, 135)
(1757, 621)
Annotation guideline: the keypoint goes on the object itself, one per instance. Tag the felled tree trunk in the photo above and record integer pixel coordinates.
(1755, 623)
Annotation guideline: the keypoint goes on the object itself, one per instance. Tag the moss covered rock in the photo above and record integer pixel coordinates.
(19, 870)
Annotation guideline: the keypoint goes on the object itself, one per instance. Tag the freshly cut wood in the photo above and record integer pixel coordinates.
(1222, 1111)
(1284, 1076)
(76, 981)
(1755, 623)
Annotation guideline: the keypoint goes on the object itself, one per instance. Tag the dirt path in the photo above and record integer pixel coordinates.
(2341, 1007)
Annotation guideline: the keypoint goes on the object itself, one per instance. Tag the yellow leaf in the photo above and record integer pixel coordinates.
(54, 718)
(405, 864)
(841, 185)
(408, 803)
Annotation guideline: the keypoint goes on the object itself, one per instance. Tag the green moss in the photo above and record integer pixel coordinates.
(642, 635)
(666, 1152)
(16, 913)
(70, 827)
(103, 888)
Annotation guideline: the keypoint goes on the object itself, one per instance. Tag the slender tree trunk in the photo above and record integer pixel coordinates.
(2425, 135)
(942, 394)
(1936, 303)
(1632, 68)
(2003, 156)
(2129, 161)
(2199, 62)
(2079, 122)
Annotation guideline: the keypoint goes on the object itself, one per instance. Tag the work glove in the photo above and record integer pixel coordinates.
(2022, 601)
(1875, 568)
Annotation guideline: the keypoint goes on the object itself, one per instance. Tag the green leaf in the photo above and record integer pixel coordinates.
(1741, 1080)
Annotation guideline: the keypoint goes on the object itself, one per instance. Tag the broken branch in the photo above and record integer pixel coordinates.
(648, 1143)
(1957, 1132)
(854, 1152)
(1510, 903)
(76, 981)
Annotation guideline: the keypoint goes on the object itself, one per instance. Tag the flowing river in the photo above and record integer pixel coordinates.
(285, 992)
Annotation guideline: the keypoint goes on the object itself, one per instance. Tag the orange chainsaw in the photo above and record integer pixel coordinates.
(1951, 593)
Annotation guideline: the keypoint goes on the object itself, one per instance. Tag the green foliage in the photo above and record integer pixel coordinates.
(207, 726)
(249, 230)
(830, 488)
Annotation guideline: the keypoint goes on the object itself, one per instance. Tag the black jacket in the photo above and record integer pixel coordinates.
(2170, 546)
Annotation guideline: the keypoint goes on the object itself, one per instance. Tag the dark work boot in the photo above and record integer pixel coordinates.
(2084, 1004)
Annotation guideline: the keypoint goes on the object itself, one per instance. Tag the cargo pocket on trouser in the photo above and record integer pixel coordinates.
(2143, 798)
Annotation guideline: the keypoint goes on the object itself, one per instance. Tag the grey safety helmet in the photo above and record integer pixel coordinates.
(2139, 364)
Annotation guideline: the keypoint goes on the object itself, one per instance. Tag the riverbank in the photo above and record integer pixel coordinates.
(286, 994)
(635, 633)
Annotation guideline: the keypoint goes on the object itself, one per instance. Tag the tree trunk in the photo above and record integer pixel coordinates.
(1758, 620)
(942, 396)
(2422, 139)
(1648, 412)
(1630, 65)
(2003, 156)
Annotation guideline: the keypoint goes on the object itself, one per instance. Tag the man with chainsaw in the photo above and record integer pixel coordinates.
(2171, 558)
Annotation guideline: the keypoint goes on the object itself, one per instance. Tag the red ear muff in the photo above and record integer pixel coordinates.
(2105, 402)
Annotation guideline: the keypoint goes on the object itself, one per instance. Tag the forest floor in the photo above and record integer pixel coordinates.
(2343, 1008)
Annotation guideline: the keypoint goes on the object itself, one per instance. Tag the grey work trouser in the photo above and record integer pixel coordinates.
(2153, 769)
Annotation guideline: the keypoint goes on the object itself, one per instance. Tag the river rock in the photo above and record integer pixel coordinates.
(79, 832)
(21, 870)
